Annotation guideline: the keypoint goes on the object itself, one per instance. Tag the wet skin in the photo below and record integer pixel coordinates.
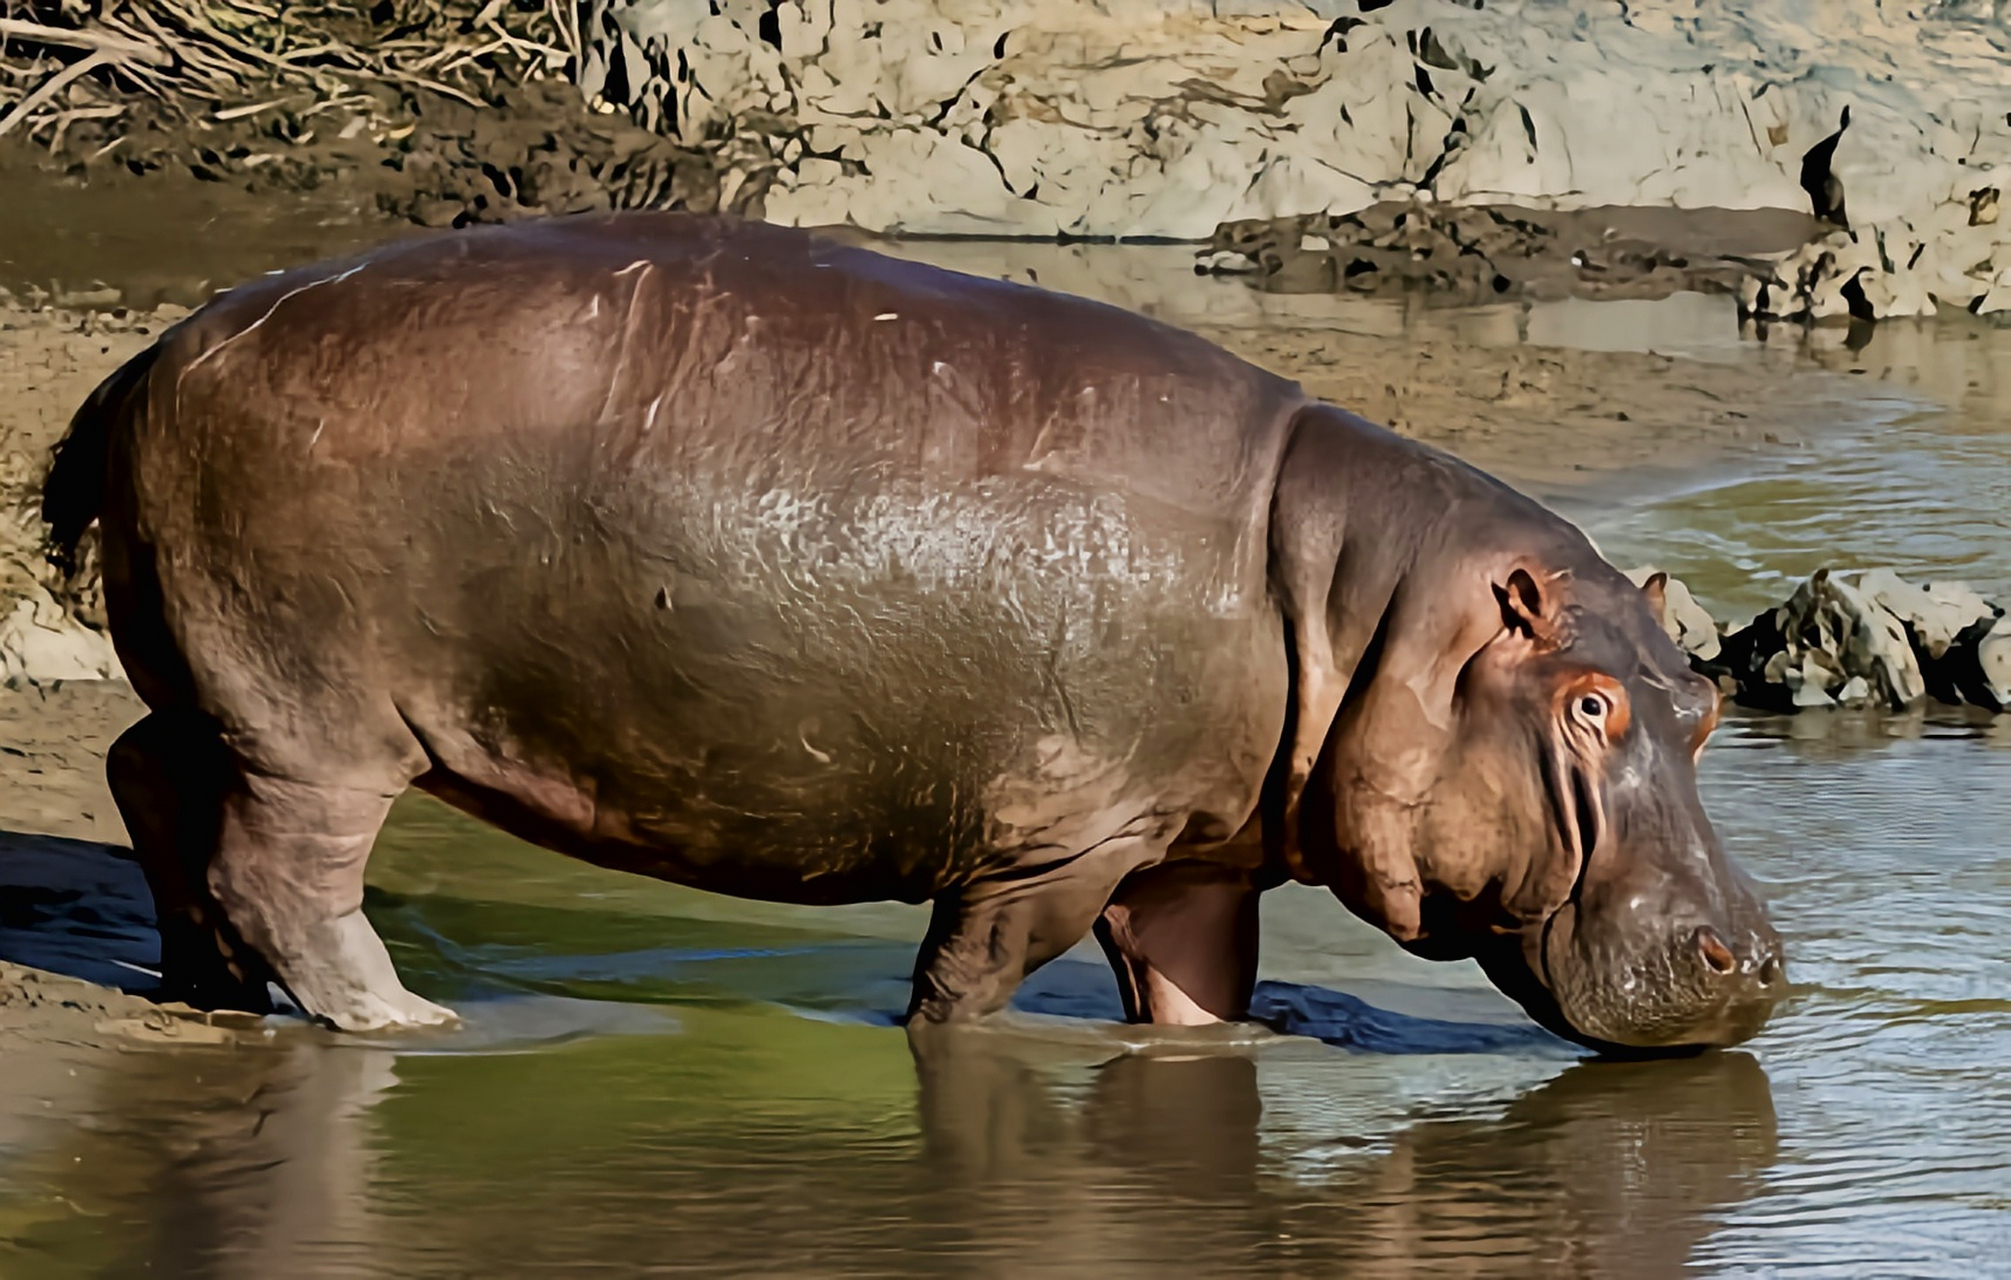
(723, 554)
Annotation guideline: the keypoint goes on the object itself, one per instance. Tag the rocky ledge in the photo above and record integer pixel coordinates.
(1851, 639)
(1890, 125)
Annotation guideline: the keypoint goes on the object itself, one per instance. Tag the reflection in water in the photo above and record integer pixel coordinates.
(226, 1162)
(300, 1158)
(1607, 1169)
(747, 1136)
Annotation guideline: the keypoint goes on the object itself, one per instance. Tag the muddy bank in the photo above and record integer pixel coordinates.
(434, 114)
(1462, 255)
(49, 362)
(535, 150)
(1884, 139)
(39, 1008)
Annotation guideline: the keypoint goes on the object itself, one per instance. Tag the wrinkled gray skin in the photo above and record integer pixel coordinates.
(723, 554)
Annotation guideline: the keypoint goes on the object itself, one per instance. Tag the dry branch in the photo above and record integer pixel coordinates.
(51, 87)
(226, 59)
(41, 33)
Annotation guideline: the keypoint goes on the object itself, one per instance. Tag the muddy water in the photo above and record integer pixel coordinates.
(141, 242)
(655, 1080)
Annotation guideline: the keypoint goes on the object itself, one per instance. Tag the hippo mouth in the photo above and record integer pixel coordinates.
(1668, 1007)
(1514, 979)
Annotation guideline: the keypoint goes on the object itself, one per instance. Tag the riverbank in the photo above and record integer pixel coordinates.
(1885, 136)
(1151, 119)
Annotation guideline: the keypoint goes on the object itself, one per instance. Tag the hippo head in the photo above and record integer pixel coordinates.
(1511, 776)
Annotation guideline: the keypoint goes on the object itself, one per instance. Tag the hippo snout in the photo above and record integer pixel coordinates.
(1715, 987)
(1747, 975)
(1634, 982)
(1755, 959)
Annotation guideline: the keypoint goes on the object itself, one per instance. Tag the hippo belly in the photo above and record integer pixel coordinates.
(803, 695)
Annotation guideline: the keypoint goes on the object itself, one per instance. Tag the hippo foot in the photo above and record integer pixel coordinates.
(339, 972)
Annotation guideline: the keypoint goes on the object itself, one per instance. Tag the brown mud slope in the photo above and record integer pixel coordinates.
(448, 112)
(441, 113)
(536, 150)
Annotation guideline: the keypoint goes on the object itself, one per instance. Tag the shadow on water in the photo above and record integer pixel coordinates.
(83, 909)
(77, 908)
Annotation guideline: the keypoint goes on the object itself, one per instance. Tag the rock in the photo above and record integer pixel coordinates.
(437, 213)
(1977, 666)
(1686, 621)
(1934, 614)
(1865, 639)
(1993, 661)
(1476, 255)
(1950, 628)
(1830, 643)
(1223, 262)
(40, 641)
(1839, 622)
(1807, 686)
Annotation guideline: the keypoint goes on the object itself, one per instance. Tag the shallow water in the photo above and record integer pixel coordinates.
(652, 1079)
(1917, 478)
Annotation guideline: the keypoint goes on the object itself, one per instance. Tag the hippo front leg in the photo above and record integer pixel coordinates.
(986, 937)
(1182, 940)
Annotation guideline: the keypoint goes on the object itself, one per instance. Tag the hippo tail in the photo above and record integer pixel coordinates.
(73, 495)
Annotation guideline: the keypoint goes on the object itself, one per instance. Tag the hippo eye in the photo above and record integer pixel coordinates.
(1598, 706)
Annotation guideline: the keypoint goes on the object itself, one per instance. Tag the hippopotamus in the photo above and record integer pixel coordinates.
(760, 563)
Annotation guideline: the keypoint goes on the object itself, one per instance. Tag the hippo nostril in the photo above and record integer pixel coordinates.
(1716, 954)
(1770, 971)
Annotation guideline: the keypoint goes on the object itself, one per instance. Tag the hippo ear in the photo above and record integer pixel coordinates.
(1656, 589)
(1527, 609)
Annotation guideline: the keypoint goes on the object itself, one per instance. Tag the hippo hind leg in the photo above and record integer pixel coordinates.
(168, 774)
(289, 871)
(283, 860)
